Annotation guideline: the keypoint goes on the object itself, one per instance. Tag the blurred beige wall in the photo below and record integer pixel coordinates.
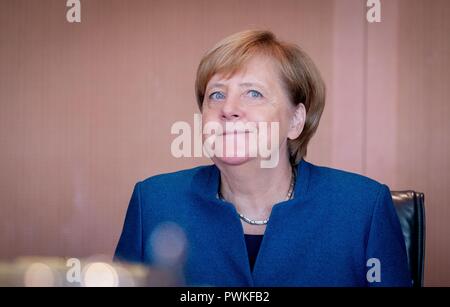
(86, 109)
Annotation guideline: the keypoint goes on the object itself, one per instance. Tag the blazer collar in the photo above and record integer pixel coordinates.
(205, 183)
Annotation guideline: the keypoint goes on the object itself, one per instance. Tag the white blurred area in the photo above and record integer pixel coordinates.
(92, 272)
(167, 244)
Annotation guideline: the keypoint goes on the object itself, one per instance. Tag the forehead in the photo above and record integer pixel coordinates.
(258, 68)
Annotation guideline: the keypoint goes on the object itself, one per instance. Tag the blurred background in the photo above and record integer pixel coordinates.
(86, 108)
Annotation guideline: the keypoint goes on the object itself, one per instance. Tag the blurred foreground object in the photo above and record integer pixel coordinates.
(87, 272)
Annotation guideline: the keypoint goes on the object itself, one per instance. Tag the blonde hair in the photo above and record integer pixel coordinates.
(299, 75)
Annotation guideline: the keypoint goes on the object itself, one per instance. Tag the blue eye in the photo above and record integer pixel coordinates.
(254, 94)
(217, 96)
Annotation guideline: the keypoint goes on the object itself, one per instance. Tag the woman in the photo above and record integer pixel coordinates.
(290, 224)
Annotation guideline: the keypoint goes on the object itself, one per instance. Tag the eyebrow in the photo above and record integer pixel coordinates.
(248, 84)
(216, 84)
(244, 84)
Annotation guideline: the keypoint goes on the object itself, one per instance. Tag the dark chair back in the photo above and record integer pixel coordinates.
(411, 213)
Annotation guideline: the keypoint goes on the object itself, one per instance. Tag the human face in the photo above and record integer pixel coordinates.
(251, 97)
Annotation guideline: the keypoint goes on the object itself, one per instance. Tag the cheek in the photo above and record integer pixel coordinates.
(210, 125)
(266, 114)
(208, 116)
(284, 127)
(279, 115)
(285, 118)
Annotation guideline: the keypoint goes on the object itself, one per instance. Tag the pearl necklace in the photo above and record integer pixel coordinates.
(290, 195)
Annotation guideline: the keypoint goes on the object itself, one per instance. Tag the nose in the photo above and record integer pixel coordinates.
(231, 110)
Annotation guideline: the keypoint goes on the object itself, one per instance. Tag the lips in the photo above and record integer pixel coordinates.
(234, 132)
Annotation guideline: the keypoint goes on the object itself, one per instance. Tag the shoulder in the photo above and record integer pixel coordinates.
(341, 179)
(345, 189)
(172, 183)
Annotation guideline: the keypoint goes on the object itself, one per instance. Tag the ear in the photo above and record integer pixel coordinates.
(297, 122)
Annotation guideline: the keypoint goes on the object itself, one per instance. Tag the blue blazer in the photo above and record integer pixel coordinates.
(328, 235)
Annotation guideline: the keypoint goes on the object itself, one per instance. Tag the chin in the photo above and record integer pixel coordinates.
(232, 160)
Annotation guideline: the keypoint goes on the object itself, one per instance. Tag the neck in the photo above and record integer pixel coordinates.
(254, 190)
